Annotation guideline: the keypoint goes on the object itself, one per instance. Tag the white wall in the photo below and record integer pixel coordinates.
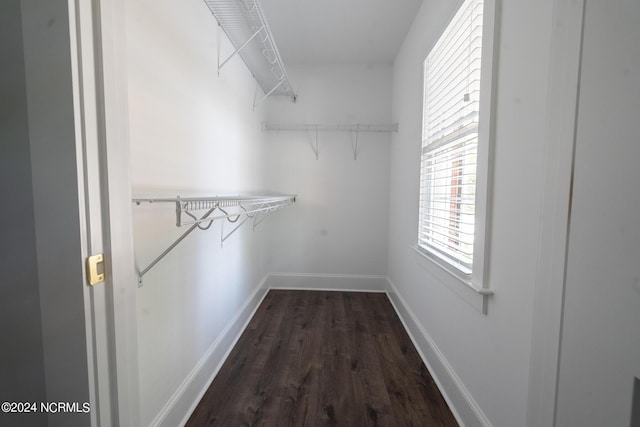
(600, 350)
(482, 361)
(192, 132)
(338, 225)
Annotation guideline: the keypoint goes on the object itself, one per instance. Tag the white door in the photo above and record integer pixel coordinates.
(600, 348)
(100, 104)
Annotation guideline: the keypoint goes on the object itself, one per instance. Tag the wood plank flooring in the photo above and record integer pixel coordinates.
(311, 358)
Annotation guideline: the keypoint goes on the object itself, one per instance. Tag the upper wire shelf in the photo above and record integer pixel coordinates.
(244, 23)
(201, 212)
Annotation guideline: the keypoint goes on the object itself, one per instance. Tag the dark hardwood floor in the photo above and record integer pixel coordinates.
(312, 358)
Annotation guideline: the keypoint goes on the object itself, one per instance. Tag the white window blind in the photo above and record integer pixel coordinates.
(450, 139)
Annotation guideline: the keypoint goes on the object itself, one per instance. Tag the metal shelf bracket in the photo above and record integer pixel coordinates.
(355, 143)
(255, 104)
(220, 65)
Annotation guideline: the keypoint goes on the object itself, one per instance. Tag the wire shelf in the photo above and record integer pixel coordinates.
(201, 212)
(221, 206)
(355, 129)
(244, 23)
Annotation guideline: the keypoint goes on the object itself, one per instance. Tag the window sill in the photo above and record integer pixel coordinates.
(472, 293)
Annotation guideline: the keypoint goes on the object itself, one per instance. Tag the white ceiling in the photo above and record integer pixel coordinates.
(339, 31)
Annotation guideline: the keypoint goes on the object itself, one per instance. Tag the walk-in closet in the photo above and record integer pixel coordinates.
(329, 212)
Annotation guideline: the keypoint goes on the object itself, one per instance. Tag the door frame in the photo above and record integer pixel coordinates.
(98, 47)
(116, 199)
(548, 306)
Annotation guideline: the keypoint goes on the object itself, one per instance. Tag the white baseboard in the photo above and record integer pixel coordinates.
(182, 403)
(327, 282)
(459, 399)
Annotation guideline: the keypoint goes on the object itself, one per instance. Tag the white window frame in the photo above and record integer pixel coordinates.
(477, 281)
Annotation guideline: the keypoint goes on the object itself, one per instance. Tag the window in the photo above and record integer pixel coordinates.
(453, 170)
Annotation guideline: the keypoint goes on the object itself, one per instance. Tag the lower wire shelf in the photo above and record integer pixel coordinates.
(201, 212)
